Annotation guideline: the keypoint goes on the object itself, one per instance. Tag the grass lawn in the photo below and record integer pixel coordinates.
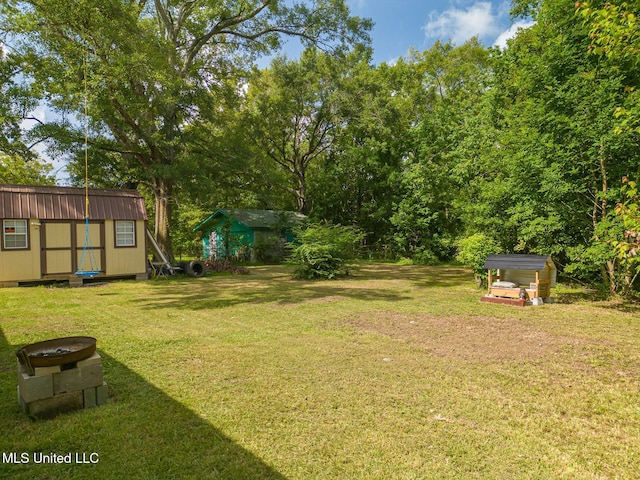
(398, 372)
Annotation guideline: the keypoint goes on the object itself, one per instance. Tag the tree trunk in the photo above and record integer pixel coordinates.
(163, 190)
(609, 269)
(301, 191)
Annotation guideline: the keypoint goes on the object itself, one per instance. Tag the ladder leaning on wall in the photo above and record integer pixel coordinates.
(160, 264)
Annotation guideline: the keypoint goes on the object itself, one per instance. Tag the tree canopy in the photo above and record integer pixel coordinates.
(155, 72)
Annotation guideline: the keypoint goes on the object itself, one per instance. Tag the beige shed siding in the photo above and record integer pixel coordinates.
(58, 235)
(22, 265)
(127, 260)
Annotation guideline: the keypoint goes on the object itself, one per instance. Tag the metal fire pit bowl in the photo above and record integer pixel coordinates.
(59, 351)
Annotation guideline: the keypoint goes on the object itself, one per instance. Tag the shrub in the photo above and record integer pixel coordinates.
(473, 252)
(220, 266)
(324, 250)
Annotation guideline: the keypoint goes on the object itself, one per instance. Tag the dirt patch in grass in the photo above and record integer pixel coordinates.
(478, 339)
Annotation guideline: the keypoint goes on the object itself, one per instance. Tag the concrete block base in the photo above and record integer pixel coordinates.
(55, 390)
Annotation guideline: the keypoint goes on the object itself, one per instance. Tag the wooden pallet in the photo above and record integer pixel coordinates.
(516, 302)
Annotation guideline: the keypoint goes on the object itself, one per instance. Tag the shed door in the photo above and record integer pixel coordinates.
(56, 240)
(213, 245)
(62, 244)
(94, 257)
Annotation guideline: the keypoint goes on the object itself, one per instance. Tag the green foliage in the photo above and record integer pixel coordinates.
(184, 241)
(269, 249)
(324, 250)
(357, 181)
(424, 217)
(628, 248)
(473, 252)
(31, 172)
(541, 147)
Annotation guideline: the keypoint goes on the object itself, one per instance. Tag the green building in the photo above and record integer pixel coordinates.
(247, 234)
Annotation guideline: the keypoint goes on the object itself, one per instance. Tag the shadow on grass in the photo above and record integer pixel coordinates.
(598, 298)
(419, 275)
(139, 433)
(268, 285)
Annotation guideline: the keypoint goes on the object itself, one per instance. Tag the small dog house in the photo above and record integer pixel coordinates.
(522, 277)
(44, 232)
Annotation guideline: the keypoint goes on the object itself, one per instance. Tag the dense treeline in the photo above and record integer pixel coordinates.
(532, 148)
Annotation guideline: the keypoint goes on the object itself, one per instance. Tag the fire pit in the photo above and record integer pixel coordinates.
(60, 375)
(59, 351)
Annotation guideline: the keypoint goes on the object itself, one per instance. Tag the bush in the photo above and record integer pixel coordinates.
(324, 250)
(269, 249)
(222, 266)
(473, 252)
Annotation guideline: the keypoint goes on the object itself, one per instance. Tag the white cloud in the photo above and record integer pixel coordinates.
(501, 41)
(459, 25)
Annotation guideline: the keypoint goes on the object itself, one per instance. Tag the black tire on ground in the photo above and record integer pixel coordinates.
(195, 268)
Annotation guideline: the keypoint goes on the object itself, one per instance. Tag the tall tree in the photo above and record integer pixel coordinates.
(452, 80)
(357, 183)
(155, 70)
(292, 118)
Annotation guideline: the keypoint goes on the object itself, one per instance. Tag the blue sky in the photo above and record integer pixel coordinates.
(401, 24)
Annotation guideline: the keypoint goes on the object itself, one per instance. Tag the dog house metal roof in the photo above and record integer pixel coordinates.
(68, 203)
(518, 262)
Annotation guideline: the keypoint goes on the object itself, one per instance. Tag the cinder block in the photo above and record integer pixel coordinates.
(40, 371)
(102, 393)
(22, 403)
(94, 359)
(50, 407)
(77, 379)
(35, 388)
(89, 397)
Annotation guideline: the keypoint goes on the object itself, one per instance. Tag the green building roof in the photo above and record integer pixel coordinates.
(255, 219)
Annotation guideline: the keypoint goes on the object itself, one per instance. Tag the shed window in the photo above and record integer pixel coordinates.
(15, 234)
(125, 233)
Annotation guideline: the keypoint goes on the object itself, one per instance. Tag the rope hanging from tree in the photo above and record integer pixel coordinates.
(87, 254)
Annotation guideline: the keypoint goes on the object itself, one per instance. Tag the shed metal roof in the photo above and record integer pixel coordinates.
(68, 203)
(255, 219)
(518, 262)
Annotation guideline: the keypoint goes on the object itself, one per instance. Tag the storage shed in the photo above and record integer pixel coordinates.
(44, 232)
(532, 276)
(246, 233)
